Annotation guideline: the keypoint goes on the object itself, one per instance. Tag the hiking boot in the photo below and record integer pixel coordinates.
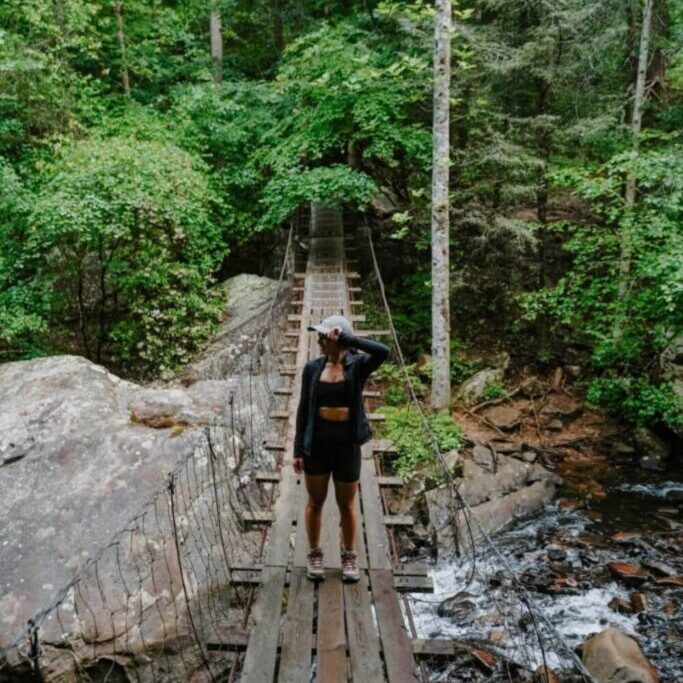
(314, 567)
(349, 560)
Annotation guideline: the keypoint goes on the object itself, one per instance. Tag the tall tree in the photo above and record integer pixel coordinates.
(121, 37)
(216, 43)
(441, 382)
(636, 125)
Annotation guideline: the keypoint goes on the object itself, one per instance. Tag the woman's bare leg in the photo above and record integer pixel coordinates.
(316, 485)
(345, 493)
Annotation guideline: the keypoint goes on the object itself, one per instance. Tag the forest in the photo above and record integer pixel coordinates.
(147, 148)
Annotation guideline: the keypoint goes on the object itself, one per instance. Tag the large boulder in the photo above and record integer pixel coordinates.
(82, 452)
(495, 499)
(248, 300)
(612, 657)
(472, 390)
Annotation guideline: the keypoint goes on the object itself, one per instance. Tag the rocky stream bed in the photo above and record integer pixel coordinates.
(603, 557)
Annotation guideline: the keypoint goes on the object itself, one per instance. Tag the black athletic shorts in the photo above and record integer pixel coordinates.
(333, 451)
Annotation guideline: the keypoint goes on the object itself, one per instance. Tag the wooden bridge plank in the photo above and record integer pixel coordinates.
(259, 661)
(297, 641)
(396, 643)
(373, 515)
(364, 647)
(331, 640)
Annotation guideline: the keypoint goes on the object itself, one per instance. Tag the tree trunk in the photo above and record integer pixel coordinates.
(636, 124)
(278, 26)
(216, 44)
(121, 36)
(441, 383)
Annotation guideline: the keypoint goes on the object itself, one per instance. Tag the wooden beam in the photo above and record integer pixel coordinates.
(390, 481)
(399, 520)
(259, 662)
(413, 584)
(257, 517)
(263, 476)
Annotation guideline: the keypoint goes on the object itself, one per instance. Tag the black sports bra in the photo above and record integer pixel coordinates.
(333, 394)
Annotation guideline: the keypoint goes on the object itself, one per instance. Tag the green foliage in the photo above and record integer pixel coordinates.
(462, 367)
(636, 400)
(121, 230)
(24, 304)
(395, 378)
(403, 427)
(493, 391)
(626, 333)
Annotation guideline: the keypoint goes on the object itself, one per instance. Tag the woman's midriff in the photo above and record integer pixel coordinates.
(340, 414)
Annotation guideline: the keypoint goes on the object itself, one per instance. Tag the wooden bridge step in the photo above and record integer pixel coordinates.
(376, 417)
(357, 302)
(357, 318)
(297, 637)
(399, 520)
(355, 289)
(291, 333)
(274, 446)
(263, 476)
(278, 415)
(352, 275)
(396, 643)
(236, 640)
(413, 584)
(383, 446)
(390, 481)
(289, 349)
(294, 318)
(258, 517)
(403, 583)
(331, 640)
(259, 661)
(283, 391)
(364, 646)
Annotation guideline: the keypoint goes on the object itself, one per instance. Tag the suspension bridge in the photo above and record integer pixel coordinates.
(208, 581)
(332, 620)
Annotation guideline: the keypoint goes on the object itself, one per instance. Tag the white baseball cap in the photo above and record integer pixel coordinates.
(333, 321)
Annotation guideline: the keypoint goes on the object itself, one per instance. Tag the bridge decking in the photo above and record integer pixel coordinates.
(356, 632)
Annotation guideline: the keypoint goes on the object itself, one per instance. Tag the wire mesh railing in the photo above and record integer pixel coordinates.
(494, 629)
(147, 603)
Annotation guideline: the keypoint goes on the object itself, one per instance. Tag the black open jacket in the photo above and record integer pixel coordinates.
(357, 368)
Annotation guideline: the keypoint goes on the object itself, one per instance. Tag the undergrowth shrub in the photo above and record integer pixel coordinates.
(403, 426)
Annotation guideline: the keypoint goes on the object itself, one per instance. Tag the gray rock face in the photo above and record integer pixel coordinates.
(612, 657)
(505, 418)
(651, 444)
(472, 390)
(515, 489)
(483, 456)
(249, 298)
(78, 464)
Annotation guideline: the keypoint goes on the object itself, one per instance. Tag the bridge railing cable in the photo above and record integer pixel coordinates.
(144, 606)
(532, 639)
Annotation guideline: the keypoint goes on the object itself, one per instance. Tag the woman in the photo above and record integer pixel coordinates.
(331, 426)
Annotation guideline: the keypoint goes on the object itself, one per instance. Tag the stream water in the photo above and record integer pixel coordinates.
(561, 556)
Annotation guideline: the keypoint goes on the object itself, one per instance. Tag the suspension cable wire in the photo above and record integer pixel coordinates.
(522, 593)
